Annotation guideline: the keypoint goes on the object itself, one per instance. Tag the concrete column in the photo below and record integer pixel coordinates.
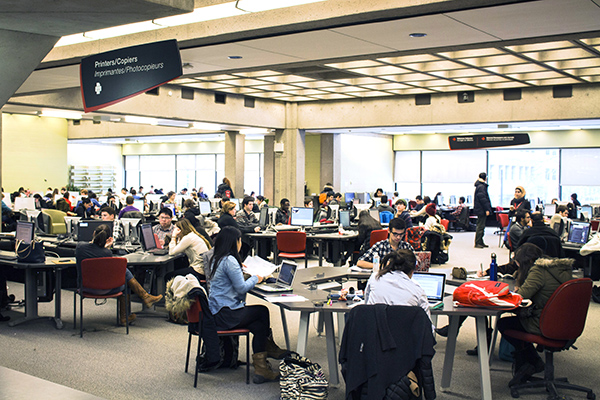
(235, 152)
(269, 168)
(289, 159)
(330, 160)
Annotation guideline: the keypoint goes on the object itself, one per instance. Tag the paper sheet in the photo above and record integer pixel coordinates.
(354, 268)
(287, 298)
(257, 266)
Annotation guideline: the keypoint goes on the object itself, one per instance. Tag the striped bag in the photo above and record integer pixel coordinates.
(301, 379)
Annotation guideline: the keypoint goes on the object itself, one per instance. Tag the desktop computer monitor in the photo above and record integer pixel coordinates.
(170, 207)
(139, 204)
(24, 203)
(129, 227)
(25, 231)
(549, 210)
(70, 223)
(236, 202)
(204, 207)
(263, 219)
(349, 197)
(377, 201)
(363, 198)
(84, 230)
(587, 212)
(374, 213)
(302, 216)
(345, 218)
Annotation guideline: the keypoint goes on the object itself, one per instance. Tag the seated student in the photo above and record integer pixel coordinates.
(226, 219)
(191, 213)
(337, 199)
(454, 215)
(164, 229)
(282, 217)
(397, 230)
(540, 230)
(128, 206)
(187, 240)
(536, 280)
(519, 202)
(64, 204)
(558, 222)
(402, 213)
(393, 284)
(432, 217)
(8, 220)
(523, 218)
(94, 198)
(111, 201)
(227, 302)
(109, 214)
(85, 209)
(100, 247)
(385, 206)
(419, 215)
(172, 199)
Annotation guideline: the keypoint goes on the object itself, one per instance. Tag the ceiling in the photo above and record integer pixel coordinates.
(522, 45)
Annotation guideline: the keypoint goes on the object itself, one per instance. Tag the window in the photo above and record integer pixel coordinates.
(186, 172)
(253, 171)
(580, 177)
(407, 174)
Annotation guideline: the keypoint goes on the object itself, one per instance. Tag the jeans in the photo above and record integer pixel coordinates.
(480, 229)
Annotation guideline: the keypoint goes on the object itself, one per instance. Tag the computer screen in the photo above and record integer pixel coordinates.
(377, 201)
(362, 197)
(204, 207)
(24, 203)
(25, 231)
(170, 207)
(85, 229)
(263, 219)
(374, 213)
(579, 232)
(587, 211)
(236, 202)
(148, 241)
(345, 218)
(129, 225)
(302, 216)
(349, 197)
(549, 210)
(139, 204)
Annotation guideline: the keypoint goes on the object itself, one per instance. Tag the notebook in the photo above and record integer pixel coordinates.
(434, 285)
(285, 279)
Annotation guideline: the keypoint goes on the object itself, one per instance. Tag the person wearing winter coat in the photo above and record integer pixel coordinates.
(482, 207)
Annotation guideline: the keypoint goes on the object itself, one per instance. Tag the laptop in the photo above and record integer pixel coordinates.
(434, 285)
(579, 233)
(285, 279)
(149, 241)
(345, 218)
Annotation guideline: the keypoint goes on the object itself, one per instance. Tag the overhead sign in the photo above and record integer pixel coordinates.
(464, 142)
(117, 75)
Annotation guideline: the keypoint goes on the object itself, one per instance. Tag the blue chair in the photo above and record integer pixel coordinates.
(385, 217)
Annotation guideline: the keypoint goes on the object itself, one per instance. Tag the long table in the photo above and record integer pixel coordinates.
(318, 275)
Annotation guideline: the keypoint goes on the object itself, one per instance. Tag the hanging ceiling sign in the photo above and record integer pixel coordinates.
(117, 75)
(466, 142)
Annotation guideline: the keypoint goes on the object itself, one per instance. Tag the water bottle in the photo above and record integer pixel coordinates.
(493, 268)
(375, 263)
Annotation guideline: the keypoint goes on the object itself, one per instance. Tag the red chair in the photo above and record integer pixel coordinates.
(378, 235)
(196, 317)
(103, 273)
(503, 224)
(595, 224)
(445, 224)
(561, 323)
(292, 245)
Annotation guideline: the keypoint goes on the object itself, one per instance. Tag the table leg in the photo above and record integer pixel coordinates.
(484, 362)
(286, 333)
(320, 324)
(493, 344)
(57, 297)
(341, 325)
(321, 253)
(31, 304)
(303, 332)
(332, 361)
(450, 349)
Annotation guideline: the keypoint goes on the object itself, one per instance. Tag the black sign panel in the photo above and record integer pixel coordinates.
(464, 142)
(117, 75)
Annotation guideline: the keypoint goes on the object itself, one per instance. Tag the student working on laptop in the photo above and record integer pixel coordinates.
(227, 302)
(397, 230)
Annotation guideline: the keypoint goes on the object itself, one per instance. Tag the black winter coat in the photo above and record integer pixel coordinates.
(481, 199)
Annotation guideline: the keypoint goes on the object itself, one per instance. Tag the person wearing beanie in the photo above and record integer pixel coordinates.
(519, 202)
(432, 218)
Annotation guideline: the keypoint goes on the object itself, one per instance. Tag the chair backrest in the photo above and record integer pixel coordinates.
(134, 214)
(503, 219)
(509, 241)
(463, 218)
(563, 316)
(445, 223)
(385, 217)
(595, 224)
(62, 205)
(431, 241)
(378, 235)
(103, 273)
(291, 241)
(193, 313)
(57, 218)
(412, 204)
(551, 246)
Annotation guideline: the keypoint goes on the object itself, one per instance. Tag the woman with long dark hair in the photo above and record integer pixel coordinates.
(188, 241)
(100, 247)
(227, 302)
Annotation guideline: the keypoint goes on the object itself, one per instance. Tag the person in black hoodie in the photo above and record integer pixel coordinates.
(225, 189)
(191, 213)
(482, 207)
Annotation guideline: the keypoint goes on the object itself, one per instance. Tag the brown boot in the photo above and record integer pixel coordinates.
(147, 298)
(123, 312)
(273, 350)
(262, 369)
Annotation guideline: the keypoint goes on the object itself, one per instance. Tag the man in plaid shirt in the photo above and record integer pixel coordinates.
(397, 230)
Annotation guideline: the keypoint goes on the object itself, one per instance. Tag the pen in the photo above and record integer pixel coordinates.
(288, 295)
(481, 266)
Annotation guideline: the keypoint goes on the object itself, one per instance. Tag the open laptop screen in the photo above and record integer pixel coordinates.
(579, 232)
(148, 241)
(24, 231)
(433, 284)
(345, 218)
(286, 273)
(204, 207)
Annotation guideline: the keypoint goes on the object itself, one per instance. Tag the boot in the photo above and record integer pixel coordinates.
(147, 298)
(522, 368)
(123, 312)
(262, 369)
(274, 351)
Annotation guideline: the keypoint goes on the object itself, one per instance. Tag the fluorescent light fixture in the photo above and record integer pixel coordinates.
(61, 114)
(264, 5)
(141, 120)
(254, 131)
(173, 123)
(205, 126)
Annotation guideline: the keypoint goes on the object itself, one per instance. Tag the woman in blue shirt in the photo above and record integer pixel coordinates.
(227, 302)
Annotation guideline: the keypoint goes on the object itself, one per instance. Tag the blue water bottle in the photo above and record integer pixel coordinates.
(493, 268)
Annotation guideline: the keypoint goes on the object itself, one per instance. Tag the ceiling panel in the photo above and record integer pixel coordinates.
(51, 79)
(217, 55)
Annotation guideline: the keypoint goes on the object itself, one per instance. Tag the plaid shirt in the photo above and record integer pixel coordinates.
(383, 248)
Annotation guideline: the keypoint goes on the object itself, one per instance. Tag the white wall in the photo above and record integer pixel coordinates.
(97, 155)
(367, 163)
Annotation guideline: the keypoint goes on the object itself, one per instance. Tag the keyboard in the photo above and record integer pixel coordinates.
(7, 255)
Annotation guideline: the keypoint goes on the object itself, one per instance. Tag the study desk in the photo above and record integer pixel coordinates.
(157, 266)
(31, 300)
(317, 275)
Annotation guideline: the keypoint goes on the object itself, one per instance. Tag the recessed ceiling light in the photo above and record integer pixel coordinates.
(235, 57)
(417, 35)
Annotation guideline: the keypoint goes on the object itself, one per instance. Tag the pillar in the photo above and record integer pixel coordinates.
(269, 168)
(330, 160)
(235, 155)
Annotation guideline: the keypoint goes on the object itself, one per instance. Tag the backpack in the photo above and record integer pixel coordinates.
(301, 379)
(486, 294)
(413, 236)
(229, 349)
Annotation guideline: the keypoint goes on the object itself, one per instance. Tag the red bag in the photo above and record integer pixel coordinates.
(486, 294)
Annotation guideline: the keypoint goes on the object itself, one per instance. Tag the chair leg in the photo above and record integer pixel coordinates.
(305, 260)
(247, 358)
(197, 358)
(187, 356)
(75, 309)
(80, 316)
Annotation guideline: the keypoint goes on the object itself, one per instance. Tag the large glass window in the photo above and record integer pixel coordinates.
(579, 174)
(539, 174)
(407, 173)
(206, 173)
(132, 172)
(252, 174)
(186, 172)
(158, 171)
